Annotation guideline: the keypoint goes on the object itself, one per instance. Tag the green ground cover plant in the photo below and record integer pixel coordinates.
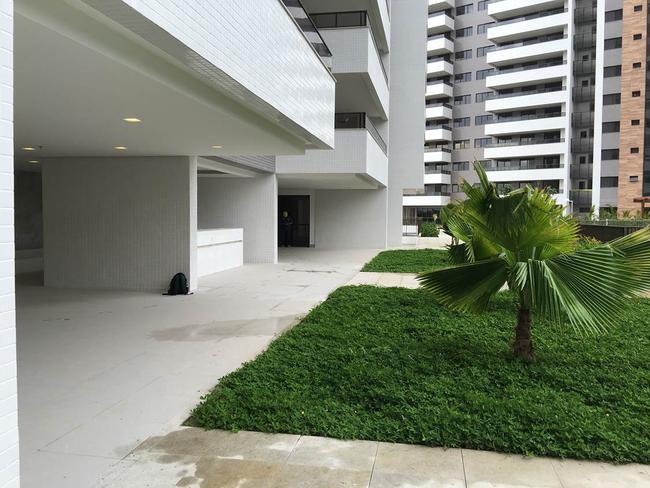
(387, 364)
(408, 261)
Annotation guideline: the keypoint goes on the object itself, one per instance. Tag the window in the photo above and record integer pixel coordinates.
(613, 15)
(466, 32)
(482, 142)
(482, 28)
(636, 65)
(482, 119)
(612, 99)
(636, 94)
(609, 181)
(483, 4)
(483, 73)
(482, 51)
(609, 154)
(613, 43)
(634, 150)
(483, 96)
(461, 144)
(462, 99)
(635, 122)
(465, 9)
(463, 77)
(461, 166)
(633, 179)
(637, 37)
(454, 188)
(467, 54)
(462, 122)
(611, 71)
(637, 8)
(611, 127)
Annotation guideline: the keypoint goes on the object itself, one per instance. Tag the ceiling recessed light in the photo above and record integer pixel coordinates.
(29, 148)
(120, 148)
(217, 146)
(132, 120)
(35, 161)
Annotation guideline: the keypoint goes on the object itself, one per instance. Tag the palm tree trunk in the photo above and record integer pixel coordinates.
(523, 345)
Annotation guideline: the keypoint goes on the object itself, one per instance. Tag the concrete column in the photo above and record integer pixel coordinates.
(248, 203)
(9, 465)
(349, 219)
(119, 223)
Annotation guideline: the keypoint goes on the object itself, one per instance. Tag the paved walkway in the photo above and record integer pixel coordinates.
(193, 458)
(400, 280)
(99, 372)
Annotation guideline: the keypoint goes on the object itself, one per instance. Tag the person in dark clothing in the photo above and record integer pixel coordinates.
(286, 230)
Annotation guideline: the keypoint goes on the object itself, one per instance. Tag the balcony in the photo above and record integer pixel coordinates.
(440, 22)
(525, 52)
(439, 111)
(359, 160)
(527, 75)
(584, 93)
(435, 5)
(439, 200)
(529, 26)
(437, 155)
(438, 134)
(360, 72)
(440, 67)
(439, 89)
(519, 149)
(526, 124)
(526, 100)
(511, 8)
(437, 178)
(525, 174)
(580, 198)
(440, 44)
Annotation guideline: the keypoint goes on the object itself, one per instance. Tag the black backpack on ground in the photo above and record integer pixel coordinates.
(178, 285)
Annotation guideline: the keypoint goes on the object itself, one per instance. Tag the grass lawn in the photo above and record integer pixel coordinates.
(389, 364)
(408, 261)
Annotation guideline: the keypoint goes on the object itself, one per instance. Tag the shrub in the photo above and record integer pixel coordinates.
(429, 229)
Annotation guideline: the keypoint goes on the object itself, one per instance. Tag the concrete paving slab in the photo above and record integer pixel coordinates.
(334, 454)
(585, 474)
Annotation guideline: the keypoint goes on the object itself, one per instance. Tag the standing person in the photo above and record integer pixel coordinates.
(286, 230)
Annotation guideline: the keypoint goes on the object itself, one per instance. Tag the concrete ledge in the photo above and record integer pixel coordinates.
(219, 250)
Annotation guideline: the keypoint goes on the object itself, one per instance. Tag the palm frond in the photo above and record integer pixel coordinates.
(466, 287)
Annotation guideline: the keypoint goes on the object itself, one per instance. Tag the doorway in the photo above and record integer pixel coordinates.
(296, 233)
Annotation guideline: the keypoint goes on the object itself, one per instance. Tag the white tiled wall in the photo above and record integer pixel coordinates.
(255, 43)
(248, 203)
(9, 468)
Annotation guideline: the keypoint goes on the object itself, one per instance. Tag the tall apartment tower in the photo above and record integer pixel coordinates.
(545, 93)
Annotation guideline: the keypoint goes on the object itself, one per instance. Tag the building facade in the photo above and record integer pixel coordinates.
(548, 93)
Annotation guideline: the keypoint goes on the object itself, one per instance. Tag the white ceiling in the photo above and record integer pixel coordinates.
(71, 97)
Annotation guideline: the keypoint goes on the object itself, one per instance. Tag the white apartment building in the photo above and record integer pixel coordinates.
(145, 138)
(540, 93)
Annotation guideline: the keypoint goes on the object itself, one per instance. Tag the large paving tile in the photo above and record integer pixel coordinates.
(297, 476)
(47, 469)
(334, 454)
(251, 446)
(585, 474)
(494, 470)
(402, 465)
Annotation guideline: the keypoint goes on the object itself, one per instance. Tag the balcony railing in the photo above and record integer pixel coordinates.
(585, 14)
(582, 145)
(436, 171)
(536, 15)
(359, 120)
(583, 93)
(440, 14)
(439, 104)
(528, 42)
(584, 41)
(437, 149)
(531, 142)
(526, 117)
(436, 126)
(310, 30)
(527, 92)
(439, 82)
(491, 166)
(582, 68)
(581, 120)
(528, 67)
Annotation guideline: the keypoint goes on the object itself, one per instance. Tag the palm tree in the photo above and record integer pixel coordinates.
(524, 240)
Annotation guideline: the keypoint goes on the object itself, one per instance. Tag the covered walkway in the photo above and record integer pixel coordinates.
(101, 371)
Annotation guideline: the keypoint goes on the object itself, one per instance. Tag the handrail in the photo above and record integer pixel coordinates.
(526, 143)
(529, 67)
(307, 25)
(359, 120)
(515, 168)
(536, 15)
(527, 117)
(439, 82)
(439, 104)
(524, 93)
(434, 127)
(537, 40)
(437, 149)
